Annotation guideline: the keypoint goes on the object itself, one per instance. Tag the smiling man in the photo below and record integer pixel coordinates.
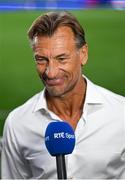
(59, 63)
(96, 114)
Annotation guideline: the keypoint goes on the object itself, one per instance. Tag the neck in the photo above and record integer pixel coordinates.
(69, 107)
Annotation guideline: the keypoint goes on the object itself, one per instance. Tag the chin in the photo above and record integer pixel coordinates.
(55, 93)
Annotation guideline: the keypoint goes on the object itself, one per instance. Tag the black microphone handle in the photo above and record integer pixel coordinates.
(61, 167)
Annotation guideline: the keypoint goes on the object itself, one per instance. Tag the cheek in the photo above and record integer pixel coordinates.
(72, 72)
(40, 69)
(74, 67)
(76, 71)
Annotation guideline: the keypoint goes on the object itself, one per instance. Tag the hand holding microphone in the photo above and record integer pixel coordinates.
(60, 141)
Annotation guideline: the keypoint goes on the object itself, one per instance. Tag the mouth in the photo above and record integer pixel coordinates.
(54, 82)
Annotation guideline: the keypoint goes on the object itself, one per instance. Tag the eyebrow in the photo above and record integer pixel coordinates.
(58, 56)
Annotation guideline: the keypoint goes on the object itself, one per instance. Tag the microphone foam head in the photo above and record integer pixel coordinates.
(59, 138)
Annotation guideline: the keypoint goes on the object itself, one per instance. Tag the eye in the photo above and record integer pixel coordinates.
(41, 60)
(62, 59)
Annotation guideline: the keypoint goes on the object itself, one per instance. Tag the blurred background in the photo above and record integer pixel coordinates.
(104, 24)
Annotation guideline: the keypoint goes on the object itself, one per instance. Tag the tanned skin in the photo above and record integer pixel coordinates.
(59, 65)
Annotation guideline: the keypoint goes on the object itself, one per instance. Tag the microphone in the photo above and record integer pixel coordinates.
(60, 141)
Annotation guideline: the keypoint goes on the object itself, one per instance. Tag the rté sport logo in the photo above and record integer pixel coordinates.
(61, 135)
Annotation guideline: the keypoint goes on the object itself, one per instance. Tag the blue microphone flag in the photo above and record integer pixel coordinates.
(59, 138)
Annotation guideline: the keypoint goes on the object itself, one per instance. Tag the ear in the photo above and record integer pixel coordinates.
(84, 54)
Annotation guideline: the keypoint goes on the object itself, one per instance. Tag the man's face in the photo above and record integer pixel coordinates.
(58, 61)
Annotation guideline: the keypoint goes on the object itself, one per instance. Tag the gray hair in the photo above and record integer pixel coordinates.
(47, 24)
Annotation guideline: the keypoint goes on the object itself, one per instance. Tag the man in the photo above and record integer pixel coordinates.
(96, 114)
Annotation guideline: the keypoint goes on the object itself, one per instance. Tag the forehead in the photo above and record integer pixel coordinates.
(63, 38)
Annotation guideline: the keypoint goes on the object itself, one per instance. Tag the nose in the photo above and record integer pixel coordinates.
(52, 70)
